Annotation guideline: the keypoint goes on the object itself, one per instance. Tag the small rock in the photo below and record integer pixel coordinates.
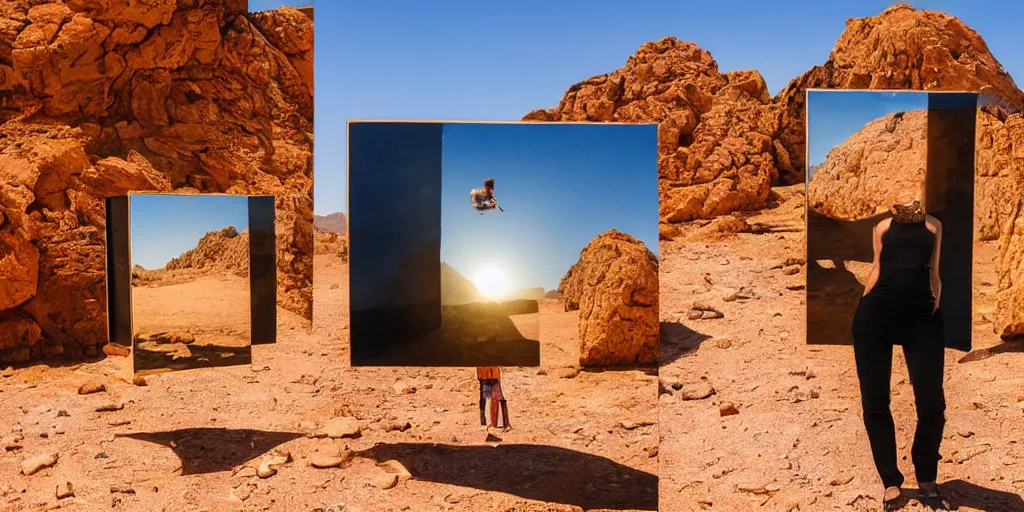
(242, 492)
(784, 335)
(8, 372)
(121, 489)
(91, 387)
(789, 271)
(569, 372)
(723, 343)
(697, 391)
(342, 427)
(139, 380)
(652, 451)
(795, 287)
(694, 314)
(395, 467)
(753, 487)
(711, 315)
(385, 480)
(403, 388)
(325, 460)
(965, 433)
(630, 425)
(38, 463)
(837, 481)
(815, 393)
(727, 409)
(246, 472)
(267, 469)
(65, 490)
(491, 438)
(101, 455)
(115, 350)
(730, 296)
(397, 426)
(452, 499)
(111, 407)
(701, 306)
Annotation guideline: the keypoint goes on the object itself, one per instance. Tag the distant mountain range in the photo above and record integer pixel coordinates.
(333, 223)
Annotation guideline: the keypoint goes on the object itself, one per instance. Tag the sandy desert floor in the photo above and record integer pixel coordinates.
(798, 440)
(212, 311)
(194, 440)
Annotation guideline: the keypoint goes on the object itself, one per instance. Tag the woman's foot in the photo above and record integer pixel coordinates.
(890, 496)
(930, 489)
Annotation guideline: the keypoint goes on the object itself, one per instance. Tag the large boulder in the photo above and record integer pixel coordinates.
(880, 165)
(107, 98)
(615, 285)
(715, 130)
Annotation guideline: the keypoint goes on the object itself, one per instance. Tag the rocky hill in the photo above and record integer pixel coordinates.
(100, 99)
(724, 142)
(223, 250)
(880, 165)
(333, 223)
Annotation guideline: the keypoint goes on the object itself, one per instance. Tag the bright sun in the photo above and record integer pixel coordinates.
(490, 281)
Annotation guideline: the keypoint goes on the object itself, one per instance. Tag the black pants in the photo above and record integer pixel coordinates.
(877, 327)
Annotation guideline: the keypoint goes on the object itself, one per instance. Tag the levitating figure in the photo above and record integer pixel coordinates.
(482, 199)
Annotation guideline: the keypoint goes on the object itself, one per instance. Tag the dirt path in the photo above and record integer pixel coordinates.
(192, 440)
(798, 439)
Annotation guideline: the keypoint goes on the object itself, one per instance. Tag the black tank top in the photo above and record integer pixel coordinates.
(906, 257)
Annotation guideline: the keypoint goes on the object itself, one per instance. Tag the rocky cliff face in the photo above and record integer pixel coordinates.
(103, 98)
(881, 165)
(223, 250)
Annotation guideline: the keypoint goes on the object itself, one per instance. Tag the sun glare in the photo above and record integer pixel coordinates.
(490, 281)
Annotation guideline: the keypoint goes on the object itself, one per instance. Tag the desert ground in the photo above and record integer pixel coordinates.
(185, 319)
(195, 440)
(796, 440)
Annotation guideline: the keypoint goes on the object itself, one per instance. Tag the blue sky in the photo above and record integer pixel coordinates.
(560, 185)
(499, 60)
(832, 117)
(165, 226)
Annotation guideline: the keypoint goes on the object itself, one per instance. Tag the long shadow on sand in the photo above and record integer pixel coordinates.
(537, 472)
(678, 340)
(958, 493)
(211, 450)
(202, 356)
(1011, 346)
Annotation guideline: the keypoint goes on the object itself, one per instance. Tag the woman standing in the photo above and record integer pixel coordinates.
(900, 306)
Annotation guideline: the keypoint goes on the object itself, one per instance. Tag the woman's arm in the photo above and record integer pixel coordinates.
(876, 243)
(936, 282)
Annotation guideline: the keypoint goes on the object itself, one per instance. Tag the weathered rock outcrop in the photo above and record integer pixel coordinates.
(615, 285)
(456, 289)
(104, 98)
(901, 48)
(880, 165)
(715, 130)
(223, 250)
(1008, 190)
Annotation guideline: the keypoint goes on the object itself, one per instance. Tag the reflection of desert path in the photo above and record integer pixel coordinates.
(799, 436)
(559, 334)
(473, 335)
(213, 309)
(296, 386)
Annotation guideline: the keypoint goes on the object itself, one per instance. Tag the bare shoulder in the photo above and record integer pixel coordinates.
(935, 225)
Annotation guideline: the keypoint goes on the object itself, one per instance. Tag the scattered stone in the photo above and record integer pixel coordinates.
(452, 499)
(697, 391)
(694, 314)
(397, 468)
(730, 296)
(723, 343)
(569, 372)
(727, 409)
(815, 393)
(399, 426)
(327, 459)
(111, 407)
(491, 438)
(965, 433)
(343, 427)
(652, 451)
(711, 315)
(837, 481)
(385, 481)
(789, 271)
(702, 306)
(267, 467)
(795, 287)
(403, 388)
(630, 425)
(121, 489)
(120, 423)
(91, 387)
(38, 463)
(753, 487)
(139, 380)
(246, 472)
(8, 372)
(65, 490)
(242, 492)
(114, 350)
(101, 455)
